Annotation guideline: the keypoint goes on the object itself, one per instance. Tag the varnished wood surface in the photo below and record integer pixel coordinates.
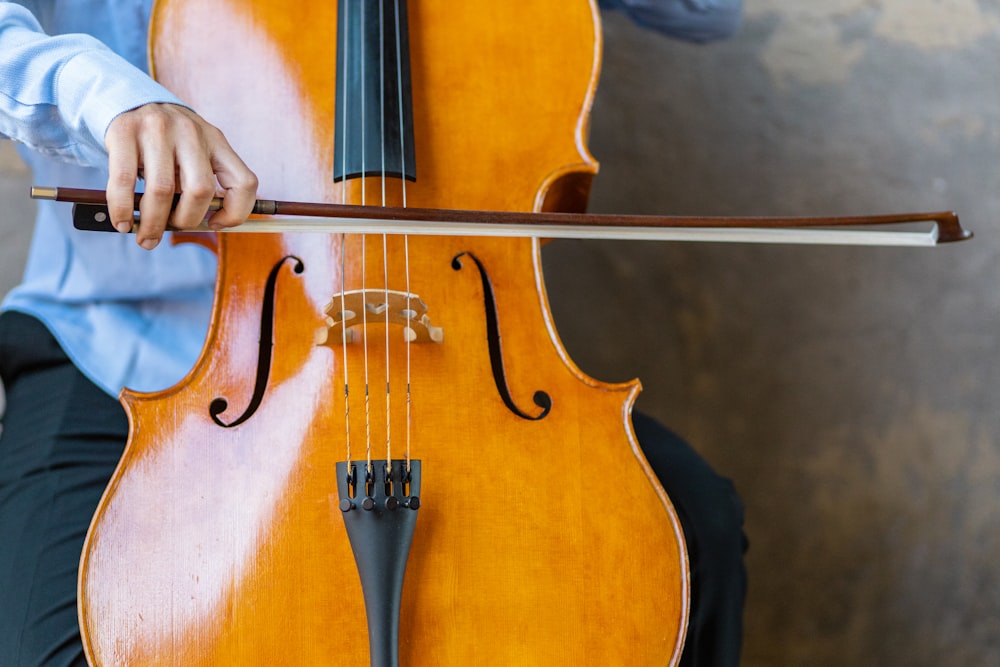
(538, 542)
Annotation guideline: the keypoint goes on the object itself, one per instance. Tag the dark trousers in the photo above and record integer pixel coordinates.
(62, 438)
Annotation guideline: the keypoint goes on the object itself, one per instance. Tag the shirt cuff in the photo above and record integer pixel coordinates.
(101, 86)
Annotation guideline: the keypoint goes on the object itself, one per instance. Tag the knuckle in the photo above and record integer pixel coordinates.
(123, 123)
(156, 123)
(160, 187)
(211, 132)
(201, 190)
(121, 179)
(249, 182)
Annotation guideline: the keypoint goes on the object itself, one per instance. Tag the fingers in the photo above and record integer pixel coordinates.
(204, 162)
(238, 183)
(123, 165)
(239, 186)
(175, 150)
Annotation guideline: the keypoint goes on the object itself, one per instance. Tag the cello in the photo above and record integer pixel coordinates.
(373, 406)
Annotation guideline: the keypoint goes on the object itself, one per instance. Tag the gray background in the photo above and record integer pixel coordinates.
(850, 393)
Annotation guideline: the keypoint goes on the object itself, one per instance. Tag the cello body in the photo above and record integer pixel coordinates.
(542, 537)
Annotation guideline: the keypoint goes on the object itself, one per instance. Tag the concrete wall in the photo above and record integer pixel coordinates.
(851, 393)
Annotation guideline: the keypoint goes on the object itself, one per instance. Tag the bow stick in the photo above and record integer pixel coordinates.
(91, 213)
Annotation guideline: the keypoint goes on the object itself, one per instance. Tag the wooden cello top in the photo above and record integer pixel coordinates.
(543, 537)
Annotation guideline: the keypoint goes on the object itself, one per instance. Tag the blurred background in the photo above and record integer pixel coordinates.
(850, 393)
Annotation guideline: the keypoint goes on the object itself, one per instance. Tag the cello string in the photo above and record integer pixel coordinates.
(409, 340)
(364, 288)
(381, 94)
(385, 256)
(343, 346)
(343, 237)
(364, 329)
(388, 421)
(399, 105)
(406, 238)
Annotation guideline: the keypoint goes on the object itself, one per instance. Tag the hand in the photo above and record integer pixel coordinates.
(175, 150)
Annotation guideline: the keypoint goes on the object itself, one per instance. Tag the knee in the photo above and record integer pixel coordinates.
(709, 508)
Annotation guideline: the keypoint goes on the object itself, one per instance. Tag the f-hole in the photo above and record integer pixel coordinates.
(540, 398)
(265, 350)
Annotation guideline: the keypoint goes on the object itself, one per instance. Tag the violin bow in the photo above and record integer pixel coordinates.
(91, 213)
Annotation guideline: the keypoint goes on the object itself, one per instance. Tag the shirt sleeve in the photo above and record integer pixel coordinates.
(688, 20)
(58, 94)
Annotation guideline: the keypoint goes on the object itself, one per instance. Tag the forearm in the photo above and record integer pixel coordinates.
(72, 97)
(60, 93)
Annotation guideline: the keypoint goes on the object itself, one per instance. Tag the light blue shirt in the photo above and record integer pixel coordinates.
(125, 316)
(689, 20)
